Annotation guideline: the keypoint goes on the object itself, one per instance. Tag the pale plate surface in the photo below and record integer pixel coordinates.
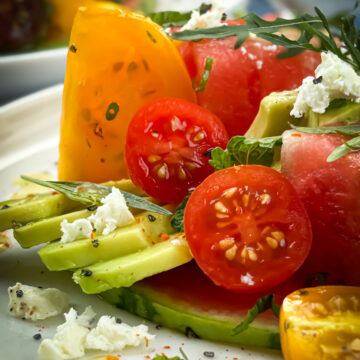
(29, 144)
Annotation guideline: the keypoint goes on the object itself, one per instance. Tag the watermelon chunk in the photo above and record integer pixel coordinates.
(330, 192)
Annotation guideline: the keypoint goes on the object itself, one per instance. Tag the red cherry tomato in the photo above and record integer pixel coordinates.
(239, 79)
(167, 147)
(247, 228)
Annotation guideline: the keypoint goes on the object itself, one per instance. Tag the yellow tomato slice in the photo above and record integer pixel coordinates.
(118, 61)
(321, 323)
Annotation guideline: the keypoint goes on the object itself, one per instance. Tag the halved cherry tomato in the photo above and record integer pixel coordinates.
(167, 147)
(247, 228)
(321, 323)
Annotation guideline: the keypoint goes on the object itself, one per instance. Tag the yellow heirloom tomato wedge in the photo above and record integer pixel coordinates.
(118, 61)
(321, 323)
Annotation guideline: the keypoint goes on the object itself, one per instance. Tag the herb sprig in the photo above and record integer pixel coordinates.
(91, 194)
(309, 26)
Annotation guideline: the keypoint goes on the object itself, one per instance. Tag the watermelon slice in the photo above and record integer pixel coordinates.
(330, 192)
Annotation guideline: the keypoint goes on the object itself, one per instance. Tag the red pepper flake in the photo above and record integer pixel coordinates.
(167, 347)
(54, 193)
(92, 235)
(137, 334)
(146, 341)
(147, 357)
(110, 357)
(164, 355)
(164, 237)
(296, 135)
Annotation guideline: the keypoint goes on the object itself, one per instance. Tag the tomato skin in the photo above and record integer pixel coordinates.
(269, 207)
(239, 79)
(164, 153)
(321, 323)
(329, 191)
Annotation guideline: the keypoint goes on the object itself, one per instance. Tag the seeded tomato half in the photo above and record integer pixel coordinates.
(167, 147)
(247, 228)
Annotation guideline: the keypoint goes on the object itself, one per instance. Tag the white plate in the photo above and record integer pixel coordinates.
(29, 144)
(25, 73)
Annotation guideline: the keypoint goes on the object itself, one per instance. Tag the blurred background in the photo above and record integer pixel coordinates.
(34, 33)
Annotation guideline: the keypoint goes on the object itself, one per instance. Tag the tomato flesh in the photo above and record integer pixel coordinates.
(239, 79)
(247, 228)
(167, 147)
(321, 323)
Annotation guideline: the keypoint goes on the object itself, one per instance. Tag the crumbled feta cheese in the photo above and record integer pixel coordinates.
(69, 340)
(251, 56)
(112, 214)
(211, 18)
(247, 279)
(335, 79)
(259, 64)
(110, 336)
(72, 231)
(33, 303)
(176, 242)
(270, 47)
(75, 336)
(243, 50)
(6, 238)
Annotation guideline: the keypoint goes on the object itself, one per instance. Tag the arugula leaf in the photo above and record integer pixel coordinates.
(241, 151)
(206, 74)
(91, 194)
(254, 24)
(347, 130)
(263, 304)
(168, 19)
(177, 220)
(351, 145)
(309, 26)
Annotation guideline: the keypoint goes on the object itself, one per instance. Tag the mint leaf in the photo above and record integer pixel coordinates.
(177, 220)
(242, 151)
(261, 305)
(90, 193)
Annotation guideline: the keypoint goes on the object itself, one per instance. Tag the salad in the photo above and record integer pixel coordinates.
(241, 140)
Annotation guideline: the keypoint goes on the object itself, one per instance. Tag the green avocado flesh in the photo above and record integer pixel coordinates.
(145, 231)
(273, 117)
(124, 271)
(186, 300)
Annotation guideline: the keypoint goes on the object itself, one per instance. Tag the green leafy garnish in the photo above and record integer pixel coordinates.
(263, 304)
(347, 130)
(170, 18)
(309, 26)
(91, 194)
(177, 220)
(162, 357)
(242, 151)
(206, 74)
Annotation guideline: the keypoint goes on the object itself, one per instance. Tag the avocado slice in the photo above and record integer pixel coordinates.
(186, 300)
(128, 269)
(49, 229)
(273, 117)
(145, 231)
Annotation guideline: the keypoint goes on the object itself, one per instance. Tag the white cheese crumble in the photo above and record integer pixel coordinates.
(259, 64)
(110, 336)
(334, 79)
(211, 18)
(33, 303)
(75, 336)
(69, 340)
(6, 238)
(72, 231)
(112, 214)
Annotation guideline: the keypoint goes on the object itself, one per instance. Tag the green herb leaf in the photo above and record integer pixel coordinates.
(168, 19)
(206, 74)
(241, 151)
(183, 354)
(162, 357)
(91, 194)
(348, 130)
(261, 305)
(351, 145)
(177, 220)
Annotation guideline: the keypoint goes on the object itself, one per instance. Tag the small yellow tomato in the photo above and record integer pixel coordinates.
(118, 62)
(321, 323)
